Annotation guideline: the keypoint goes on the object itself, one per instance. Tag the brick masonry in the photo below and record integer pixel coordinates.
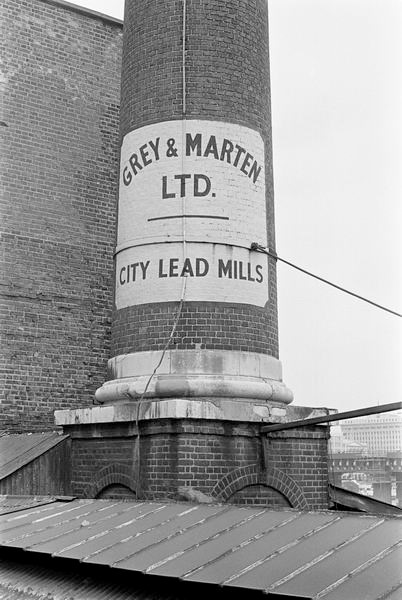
(61, 83)
(230, 462)
(152, 92)
(201, 325)
(60, 128)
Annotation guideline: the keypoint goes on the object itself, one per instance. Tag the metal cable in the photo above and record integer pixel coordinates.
(255, 246)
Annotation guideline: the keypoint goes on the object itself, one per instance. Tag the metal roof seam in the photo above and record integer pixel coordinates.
(392, 590)
(106, 531)
(83, 503)
(173, 535)
(241, 545)
(359, 569)
(204, 541)
(63, 513)
(322, 557)
(279, 551)
(107, 506)
(14, 509)
(163, 561)
(27, 535)
(137, 534)
(33, 512)
(80, 516)
(324, 554)
(140, 517)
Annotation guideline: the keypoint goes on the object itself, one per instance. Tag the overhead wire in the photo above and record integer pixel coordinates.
(258, 248)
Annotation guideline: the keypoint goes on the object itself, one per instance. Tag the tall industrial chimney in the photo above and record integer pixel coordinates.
(195, 310)
(194, 371)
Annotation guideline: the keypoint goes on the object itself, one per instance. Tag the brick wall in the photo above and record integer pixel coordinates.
(260, 495)
(302, 454)
(230, 462)
(61, 82)
(205, 325)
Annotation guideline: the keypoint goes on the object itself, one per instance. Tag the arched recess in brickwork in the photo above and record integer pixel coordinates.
(251, 475)
(116, 491)
(114, 474)
(259, 495)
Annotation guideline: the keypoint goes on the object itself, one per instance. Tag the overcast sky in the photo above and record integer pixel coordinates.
(336, 84)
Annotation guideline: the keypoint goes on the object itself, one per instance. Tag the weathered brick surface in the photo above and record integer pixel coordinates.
(260, 495)
(208, 325)
(302, 454)
(227, 79)
(100, 462)
(61, 83)
(224, 460)
(117, 492)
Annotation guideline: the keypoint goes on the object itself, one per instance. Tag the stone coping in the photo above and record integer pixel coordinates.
(218, 409)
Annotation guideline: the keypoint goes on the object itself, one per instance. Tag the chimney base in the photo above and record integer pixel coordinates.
(212, 446)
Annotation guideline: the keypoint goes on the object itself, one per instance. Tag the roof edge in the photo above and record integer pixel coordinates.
(361, 503)
(85, 11)
(49, 441)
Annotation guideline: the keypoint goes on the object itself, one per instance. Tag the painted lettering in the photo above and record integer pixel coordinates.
(240, 151)
(211, 148)
(201, 267)
(197, 191)
(246, 163)
(161, 271)
(127, 177)
(224, 270)
(254, 171)
(182, 178)
(173, 267)
(155, 147)
(187, 269)
(133, 160)
(144, 155)
(138, 160)
(227, 149)
(260, 277)
(193, 144)
(165, 193)
(144, 267)
(241, 274)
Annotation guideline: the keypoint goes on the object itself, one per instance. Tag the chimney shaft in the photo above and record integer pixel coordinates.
(195, 370)
(192, 301)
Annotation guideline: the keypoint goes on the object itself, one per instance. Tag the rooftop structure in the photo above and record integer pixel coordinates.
(205, 549)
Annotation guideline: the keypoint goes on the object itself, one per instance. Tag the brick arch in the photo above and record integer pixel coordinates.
(243, 477)
(114, 474)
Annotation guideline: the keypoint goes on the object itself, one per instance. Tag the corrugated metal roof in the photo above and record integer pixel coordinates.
(34, 581)
(291, 553)
(19, 449)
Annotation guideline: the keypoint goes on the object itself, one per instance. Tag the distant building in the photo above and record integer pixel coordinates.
(381, 433)
(339, 444)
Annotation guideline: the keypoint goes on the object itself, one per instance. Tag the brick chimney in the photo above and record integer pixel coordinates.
(194, 368)
(195, 190)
